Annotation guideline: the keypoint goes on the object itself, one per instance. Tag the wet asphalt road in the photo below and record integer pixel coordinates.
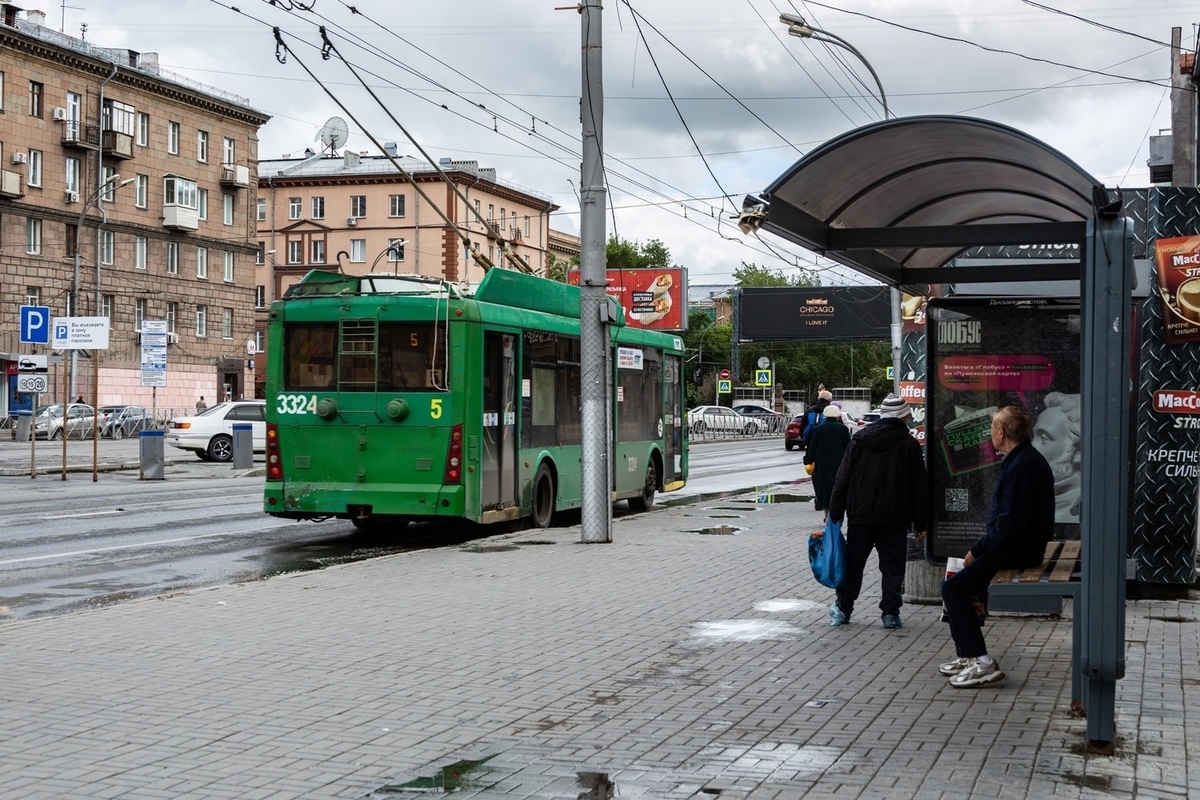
(79, 544)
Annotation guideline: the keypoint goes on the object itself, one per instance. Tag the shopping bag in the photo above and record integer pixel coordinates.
(827, 555)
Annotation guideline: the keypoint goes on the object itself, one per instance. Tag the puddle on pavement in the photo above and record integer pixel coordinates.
(787, 604)
(490, 548)
(741, 509)
(771, 499)
(744, 630)
(716, 530)
(451, 778)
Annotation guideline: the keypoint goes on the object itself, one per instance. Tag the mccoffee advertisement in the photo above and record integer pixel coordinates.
(983, 354)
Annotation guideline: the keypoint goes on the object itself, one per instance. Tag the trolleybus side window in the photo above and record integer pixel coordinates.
(310, 353)
(538, 390)
(570, 400)
(411, 356)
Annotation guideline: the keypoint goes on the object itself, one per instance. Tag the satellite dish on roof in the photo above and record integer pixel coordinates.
(334, 134)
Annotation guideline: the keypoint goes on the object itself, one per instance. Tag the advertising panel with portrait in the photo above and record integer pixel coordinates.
(983, 354)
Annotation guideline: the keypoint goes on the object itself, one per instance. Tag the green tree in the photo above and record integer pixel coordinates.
(623, 254)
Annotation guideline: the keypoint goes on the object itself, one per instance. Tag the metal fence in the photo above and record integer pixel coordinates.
(726, 424)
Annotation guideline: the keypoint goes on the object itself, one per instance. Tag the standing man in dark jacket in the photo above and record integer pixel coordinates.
(881, 486)
(1019, 524)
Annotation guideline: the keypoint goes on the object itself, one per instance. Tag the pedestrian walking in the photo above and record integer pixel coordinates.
(200, 404)
(1020, 522)
(814, 415)
(881, 489)
(825, 452)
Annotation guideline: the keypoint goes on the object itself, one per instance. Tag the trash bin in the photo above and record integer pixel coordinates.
(150, 455)
(243, 445)
(22, 426)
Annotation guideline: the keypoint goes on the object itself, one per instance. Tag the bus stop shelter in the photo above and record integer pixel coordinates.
(898, 201)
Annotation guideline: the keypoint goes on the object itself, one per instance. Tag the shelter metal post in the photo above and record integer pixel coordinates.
(1106, 285)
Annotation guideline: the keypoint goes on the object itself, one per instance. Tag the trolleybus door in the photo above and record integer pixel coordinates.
(672, 419)
(498, 487)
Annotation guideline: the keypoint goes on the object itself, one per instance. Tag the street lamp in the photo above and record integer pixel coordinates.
(106, 188)
(797, 26)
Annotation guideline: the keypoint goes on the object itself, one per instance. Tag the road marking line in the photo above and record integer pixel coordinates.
(86, 514)
(138, 544)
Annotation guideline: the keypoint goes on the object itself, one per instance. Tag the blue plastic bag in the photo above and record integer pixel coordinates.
(827, 555)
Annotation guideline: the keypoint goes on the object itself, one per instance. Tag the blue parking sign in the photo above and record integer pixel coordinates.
(35, 324)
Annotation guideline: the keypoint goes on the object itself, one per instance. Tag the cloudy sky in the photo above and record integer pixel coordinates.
(705, 100)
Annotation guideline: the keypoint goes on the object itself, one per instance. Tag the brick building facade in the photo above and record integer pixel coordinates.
(135, 188)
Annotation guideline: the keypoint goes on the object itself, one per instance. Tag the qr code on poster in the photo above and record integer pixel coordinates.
(957, 500)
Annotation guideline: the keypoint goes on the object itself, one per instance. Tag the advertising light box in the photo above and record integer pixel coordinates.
(799, 314)
(654, 298)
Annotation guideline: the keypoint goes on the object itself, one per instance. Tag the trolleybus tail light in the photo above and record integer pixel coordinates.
(453, 472)
(274, 461)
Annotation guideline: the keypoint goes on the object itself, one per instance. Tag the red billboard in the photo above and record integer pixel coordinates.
(652, 298)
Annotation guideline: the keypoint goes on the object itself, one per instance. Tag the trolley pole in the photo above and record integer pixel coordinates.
(593, 300)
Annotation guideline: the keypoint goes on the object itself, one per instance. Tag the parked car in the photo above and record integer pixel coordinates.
(869, 417)
(121, 421)
(772, 421)
(719, 419)
(793, 435)
(209, 434)
(48, 421)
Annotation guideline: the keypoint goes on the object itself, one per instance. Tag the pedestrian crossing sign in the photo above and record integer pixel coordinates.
(724, 386)
(762, 377)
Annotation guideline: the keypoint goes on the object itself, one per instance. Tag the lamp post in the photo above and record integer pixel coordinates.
(797, 26)
(106, 188)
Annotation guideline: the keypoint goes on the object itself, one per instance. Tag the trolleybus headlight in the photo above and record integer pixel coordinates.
(397, 409)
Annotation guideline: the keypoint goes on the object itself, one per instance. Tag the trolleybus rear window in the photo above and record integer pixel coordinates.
(364, 356)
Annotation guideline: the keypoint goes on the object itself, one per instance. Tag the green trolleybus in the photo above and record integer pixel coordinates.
(397, 398)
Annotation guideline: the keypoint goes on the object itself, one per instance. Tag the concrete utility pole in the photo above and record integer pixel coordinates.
(593, 301)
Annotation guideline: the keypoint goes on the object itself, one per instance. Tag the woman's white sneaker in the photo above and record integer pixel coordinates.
(978, 674)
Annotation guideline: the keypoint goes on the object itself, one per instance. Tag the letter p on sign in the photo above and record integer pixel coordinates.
(35, 324)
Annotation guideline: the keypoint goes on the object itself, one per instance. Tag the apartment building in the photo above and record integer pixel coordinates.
(358, 212)
(126, 191)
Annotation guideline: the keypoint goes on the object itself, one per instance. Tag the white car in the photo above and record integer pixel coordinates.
(210, 433)
(721, 420)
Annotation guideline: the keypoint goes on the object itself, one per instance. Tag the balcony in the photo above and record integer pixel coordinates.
(83, 136)
(235, 175)
(180, 217)
(10, 184)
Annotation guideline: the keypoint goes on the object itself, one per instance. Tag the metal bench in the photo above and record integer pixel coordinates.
(1055, 578)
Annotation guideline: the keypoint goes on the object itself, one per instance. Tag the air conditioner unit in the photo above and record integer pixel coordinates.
(72, 197)
(351, 221)
(19, 158)
(172, 338)
(59, 114)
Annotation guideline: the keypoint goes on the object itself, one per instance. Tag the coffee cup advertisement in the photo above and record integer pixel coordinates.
(1177, 268)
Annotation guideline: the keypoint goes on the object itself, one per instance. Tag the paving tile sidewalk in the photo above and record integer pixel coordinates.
(667, 664)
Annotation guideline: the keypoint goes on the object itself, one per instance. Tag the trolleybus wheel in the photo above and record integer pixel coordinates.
(543, 497)
(220, 448)
(646, 499)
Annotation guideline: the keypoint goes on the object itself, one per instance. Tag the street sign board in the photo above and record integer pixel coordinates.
(154, 352)
(27, 363)
(724, 373)
(762, 377)
(725, 386)
(35, 324)
(79, 333)
(32, 383)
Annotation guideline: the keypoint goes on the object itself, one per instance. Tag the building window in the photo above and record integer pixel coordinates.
(173, 138)
(295, 252)
(33, 236)
(358, 251)
(226, 323)
(119, 117)
(501, 218)
(227, 209)
(318, 251)
(108, 246)
(526, 226)
(106, 307)
(318, 208)
(36, 93)
(71, 240)
(139, 314)
(395, 250)
(202, 263)
(172, 258)
(139, 252)
(227, 148)
(69, 304)
(295, 205)
(72, 180)
(228, 264)
(201, 321)
(358, 205)
(202, 146)
(33, 296)
(142, 192)
(1, 91)
(396, 205)
(179, 192)
(260, 296)
(172, 316)
(108, 180)
(35, 168)
(260, 255)
(260, 209)
(143, 129)
(260, 339)
(202, 204)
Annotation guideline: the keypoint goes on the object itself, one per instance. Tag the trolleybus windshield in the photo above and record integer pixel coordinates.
(362, 355)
